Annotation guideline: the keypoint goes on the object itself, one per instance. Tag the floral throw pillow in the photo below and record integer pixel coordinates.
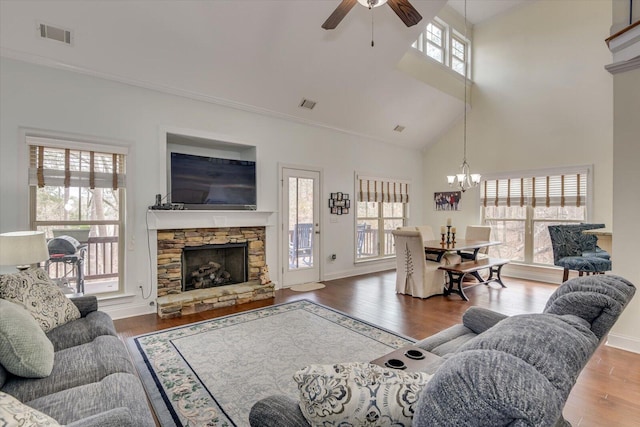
(15, 413)
(358, 394)
(45, 301)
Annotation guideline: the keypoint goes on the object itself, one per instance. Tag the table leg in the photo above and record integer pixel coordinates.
(454, 278)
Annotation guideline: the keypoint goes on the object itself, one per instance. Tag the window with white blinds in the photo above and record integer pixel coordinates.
(542, 190)
(74, 167)
(381, 207)
(520, 207)
(77, 189)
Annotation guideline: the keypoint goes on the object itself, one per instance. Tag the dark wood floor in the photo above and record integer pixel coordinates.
(607, 392)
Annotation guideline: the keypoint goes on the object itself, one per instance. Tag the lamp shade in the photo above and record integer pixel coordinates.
(23, 248)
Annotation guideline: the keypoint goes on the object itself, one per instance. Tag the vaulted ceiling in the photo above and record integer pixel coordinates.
(256, 55)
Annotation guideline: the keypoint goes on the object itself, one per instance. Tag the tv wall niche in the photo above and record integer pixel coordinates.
(208, 174)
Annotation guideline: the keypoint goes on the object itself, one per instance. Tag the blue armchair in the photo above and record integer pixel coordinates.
(574, 250)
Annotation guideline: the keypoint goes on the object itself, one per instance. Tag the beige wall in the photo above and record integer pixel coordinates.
(541, 98)
(626, 200)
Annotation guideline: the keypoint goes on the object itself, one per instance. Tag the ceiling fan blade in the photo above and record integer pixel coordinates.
(341, 11)
(405, 11)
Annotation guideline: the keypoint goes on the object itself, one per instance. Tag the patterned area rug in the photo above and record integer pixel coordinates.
(211, 373)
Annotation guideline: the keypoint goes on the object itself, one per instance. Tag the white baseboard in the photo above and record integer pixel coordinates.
(533, 272)
(623, 342)
(363, 268)
(119, 312)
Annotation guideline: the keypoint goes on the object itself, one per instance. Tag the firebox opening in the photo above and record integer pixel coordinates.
(214, 265)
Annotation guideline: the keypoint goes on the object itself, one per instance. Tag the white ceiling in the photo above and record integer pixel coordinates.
(258, 55)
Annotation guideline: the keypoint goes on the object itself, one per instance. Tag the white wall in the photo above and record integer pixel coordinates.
(626, 201)
(541, 98)
(58, 100)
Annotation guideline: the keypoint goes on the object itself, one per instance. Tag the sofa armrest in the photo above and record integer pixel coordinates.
(117, 417)
(86, 304)
(277, 411)
(480, 319)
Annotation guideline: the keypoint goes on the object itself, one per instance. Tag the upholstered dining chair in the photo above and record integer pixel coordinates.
(574, 250)
(415, 275)
(477, 232)
(427, 234)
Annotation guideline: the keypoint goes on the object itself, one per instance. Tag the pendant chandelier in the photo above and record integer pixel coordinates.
(465, 179)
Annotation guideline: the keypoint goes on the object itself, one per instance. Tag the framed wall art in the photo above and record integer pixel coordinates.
(339, 203)
(447, 200)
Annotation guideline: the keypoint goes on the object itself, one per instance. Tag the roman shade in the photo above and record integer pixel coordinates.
(382, 190)
(568, 189)
(65, 164)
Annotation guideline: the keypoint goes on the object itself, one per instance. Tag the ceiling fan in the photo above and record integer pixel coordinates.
(407, 13)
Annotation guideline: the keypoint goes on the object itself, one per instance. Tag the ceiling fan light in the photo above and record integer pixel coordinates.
(374, 3)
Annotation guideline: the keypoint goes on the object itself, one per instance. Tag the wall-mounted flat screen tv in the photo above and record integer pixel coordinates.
(212, 183)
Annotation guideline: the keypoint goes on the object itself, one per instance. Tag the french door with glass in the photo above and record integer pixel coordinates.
(300, 226)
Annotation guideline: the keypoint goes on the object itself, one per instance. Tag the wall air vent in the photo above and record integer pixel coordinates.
(308, 104)
(54, 33)
(398, 128)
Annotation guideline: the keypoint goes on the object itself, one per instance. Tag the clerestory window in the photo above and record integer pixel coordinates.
(440, 42)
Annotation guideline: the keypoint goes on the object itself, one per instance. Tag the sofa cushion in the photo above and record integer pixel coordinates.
(81, 331)
(15, 413)
(75, 366)
(597, 299)
(44, 300)
(24, 348)
(488, 388)
(447, 341)
(480, 319)
(114, 391)
(556, 346)
(358, 394)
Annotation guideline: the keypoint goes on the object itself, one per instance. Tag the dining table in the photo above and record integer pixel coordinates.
(438, 247)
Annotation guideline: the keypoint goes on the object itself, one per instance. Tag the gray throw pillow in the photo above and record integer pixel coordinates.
(45, 301)
(25, 350)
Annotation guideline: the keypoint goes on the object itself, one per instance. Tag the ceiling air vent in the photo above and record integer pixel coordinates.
(398, 128)
(306, 103)
(55, 33)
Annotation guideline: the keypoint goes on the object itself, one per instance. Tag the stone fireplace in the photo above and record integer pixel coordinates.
(202, 269)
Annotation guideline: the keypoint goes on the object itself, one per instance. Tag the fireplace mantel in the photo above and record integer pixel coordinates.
(171, 219)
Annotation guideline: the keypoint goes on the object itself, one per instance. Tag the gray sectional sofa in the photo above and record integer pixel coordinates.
(495, 370)
(92, 381)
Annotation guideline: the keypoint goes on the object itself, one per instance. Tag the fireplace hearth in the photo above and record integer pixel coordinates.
(203, 269)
